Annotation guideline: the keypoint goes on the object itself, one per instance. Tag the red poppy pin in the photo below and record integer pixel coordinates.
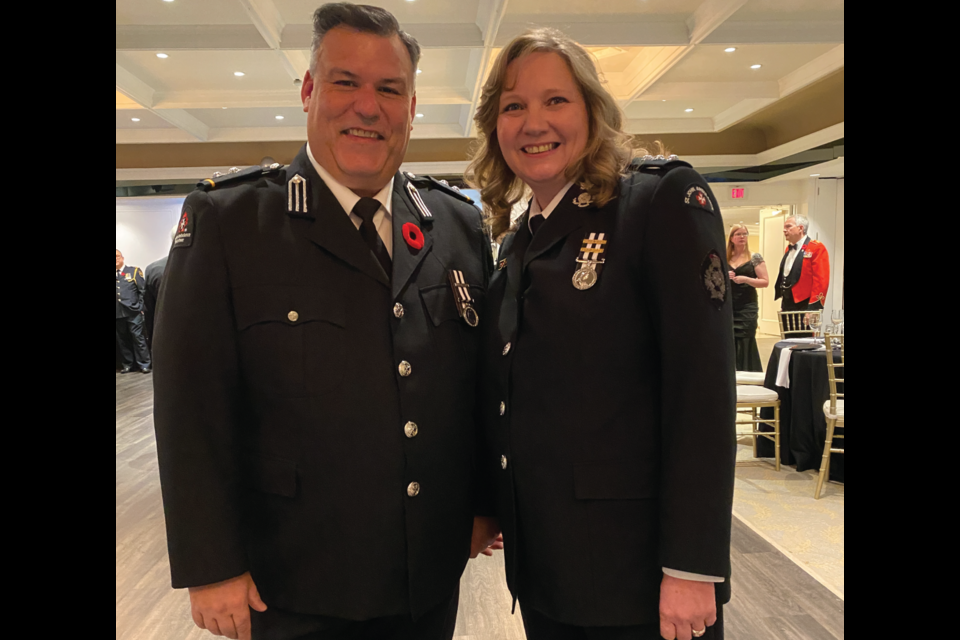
(413, 236)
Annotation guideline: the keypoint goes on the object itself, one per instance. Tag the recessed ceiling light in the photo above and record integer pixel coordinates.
(663, 101)
(730, 49)
(814, 175)
(419, 115)
(223, 107)
(239, 74)
(135, 119)
(755, 66)
(162, 56)
(688, 110)
(168, 0)
(279, 117)
(419, 71)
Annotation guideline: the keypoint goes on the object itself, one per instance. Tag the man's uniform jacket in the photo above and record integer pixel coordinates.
(283, 419)
(611, 426)
(130, 286)
(809, 276)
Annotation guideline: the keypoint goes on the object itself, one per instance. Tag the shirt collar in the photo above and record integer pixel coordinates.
(535, 209)
(347, 198)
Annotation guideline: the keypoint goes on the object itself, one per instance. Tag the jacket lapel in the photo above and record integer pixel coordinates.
(515, 246)
(406, 258)
(566, 218)
(332, 229)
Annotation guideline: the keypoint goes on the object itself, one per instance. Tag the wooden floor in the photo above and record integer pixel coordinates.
(773, 598)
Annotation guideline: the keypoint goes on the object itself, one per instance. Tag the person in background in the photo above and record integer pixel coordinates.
(609, 359)
(130, 338)
(747, 273)
(804, 270)
(317, 355)
(153, 275)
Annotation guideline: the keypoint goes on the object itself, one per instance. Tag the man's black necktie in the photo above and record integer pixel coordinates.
(366, 208)
(535, 223)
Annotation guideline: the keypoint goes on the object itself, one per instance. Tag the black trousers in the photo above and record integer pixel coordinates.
(540, 627)
(131, 330)
(436, 624)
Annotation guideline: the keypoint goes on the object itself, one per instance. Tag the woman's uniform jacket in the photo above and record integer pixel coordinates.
(610, 410)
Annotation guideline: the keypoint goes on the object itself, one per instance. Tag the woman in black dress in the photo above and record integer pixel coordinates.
(747, 273)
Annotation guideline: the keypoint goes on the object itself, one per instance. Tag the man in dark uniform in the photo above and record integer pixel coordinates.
(130, 284)
(317, 363)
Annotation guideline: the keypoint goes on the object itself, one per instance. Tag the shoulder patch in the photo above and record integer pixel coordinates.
(184, 235)
(236, 175)
(428, 182)
(713, 279)
(697, 196)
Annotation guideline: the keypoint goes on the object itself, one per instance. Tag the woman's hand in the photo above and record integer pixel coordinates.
(738, 279)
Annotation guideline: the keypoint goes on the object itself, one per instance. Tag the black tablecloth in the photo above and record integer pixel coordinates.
(803, 427)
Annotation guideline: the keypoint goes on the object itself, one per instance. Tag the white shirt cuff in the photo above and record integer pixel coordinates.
(686, 575)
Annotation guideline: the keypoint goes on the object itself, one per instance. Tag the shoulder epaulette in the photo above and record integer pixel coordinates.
(657, 165)
(235, 175)
(426, 182)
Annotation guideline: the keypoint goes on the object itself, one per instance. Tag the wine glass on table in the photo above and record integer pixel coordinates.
(837, 316)
(815, 320)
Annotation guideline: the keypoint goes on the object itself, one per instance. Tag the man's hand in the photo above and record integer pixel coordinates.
(486, 536)
(223, 608)
(686, 606)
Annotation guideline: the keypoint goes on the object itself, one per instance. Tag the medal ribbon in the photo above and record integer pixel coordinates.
(461, 291)
(593, 246)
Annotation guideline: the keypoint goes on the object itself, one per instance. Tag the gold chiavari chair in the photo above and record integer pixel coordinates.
(794, 324)
(749, 399)
(832, 409)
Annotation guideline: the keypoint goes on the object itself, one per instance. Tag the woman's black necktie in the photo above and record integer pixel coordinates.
(535, 223)
(365, 209)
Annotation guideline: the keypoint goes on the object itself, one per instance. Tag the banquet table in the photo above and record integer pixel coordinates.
(803, 427)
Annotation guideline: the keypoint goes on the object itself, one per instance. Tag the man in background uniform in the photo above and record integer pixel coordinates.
(130, 284)
(804, 270)
(317, 364)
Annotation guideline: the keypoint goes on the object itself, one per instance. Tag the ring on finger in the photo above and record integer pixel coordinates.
(697, 634)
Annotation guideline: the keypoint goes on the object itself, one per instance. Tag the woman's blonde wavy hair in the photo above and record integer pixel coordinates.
(608, 150)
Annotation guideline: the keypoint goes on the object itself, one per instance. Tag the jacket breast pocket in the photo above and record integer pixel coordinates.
(291, 339)
(612, 480)
(450, 330)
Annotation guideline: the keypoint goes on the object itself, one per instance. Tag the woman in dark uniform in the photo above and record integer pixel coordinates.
(748, 273)
(609, 390)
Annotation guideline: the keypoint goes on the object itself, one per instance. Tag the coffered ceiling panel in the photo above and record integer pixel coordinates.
(658, 58)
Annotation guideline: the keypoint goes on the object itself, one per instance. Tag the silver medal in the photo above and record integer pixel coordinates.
(585, 277)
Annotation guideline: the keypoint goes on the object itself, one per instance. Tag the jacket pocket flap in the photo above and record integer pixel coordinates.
(611, 480)
(271, 475)
(442, 306)
(290, 305)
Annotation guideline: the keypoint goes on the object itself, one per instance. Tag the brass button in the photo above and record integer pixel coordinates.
(506, 348)
(503, 462)
(405, 368)
(503, 408)
(398, 310)
(411, 429)
(413, 489)
(293, 316)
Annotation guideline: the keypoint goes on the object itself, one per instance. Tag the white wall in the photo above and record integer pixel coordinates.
(144, 226)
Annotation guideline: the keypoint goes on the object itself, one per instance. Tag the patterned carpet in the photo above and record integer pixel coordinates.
(780, 507)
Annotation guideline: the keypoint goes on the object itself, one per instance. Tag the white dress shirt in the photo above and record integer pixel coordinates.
(792, 256)
(535, 210)
(382, 219)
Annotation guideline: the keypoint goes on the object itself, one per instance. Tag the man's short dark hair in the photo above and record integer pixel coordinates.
(361, 17)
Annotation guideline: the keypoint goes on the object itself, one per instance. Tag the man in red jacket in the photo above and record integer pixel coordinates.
(804, 270)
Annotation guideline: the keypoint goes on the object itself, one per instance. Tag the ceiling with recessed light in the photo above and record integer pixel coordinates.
(676, 66)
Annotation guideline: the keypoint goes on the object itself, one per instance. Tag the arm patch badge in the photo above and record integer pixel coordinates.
(184, 235)
(713, 278)
(697, 196)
